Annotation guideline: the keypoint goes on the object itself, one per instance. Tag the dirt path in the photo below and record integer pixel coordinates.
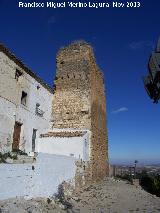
(21, 205)
(108, 196)
(111, 196)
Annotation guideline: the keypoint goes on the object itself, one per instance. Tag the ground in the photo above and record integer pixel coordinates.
(114, 196)
(107, 196)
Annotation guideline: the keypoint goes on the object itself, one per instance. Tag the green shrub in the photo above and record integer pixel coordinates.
(125, 177)
(19, 152)
(151, 184)
(4, 156)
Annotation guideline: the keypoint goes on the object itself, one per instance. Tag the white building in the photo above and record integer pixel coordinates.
(25, 104)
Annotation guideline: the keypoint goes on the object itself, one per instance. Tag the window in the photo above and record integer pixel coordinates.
(37, 105)
(84, 111)
(24, 98)
(62, 62)
(54, 88)
(18, 73)
(38, 87)
(34, 139)
(85, 143)
(39, 112)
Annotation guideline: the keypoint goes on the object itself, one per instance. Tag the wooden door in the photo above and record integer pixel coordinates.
(16, 136)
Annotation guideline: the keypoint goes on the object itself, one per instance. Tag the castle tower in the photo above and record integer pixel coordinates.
(79, 101)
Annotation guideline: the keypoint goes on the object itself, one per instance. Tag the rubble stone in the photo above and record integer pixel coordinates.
(79, 103)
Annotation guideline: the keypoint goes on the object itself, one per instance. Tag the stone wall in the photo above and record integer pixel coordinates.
(99, 144)
(71, 104)
(79, 101)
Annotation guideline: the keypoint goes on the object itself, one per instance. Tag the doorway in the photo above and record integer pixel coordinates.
(34, 139)
(16, 136)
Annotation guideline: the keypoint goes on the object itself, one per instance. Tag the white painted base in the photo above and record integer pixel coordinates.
(49, 171)
(77, 147)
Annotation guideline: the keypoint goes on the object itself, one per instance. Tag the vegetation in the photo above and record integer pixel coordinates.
(4, 156)
(12, 155)
(19, 152)
(125, 177)
(150, 183)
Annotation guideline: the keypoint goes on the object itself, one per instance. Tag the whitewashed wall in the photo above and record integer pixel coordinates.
(12, 110)
(76, 146)
(21, 180)
(7, 121)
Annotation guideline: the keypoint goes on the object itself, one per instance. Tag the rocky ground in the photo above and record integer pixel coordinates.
(108, 196)
(115, 196)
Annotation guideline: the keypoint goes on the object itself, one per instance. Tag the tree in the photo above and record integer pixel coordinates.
(135, 164)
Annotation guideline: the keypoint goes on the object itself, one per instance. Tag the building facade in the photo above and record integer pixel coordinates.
(25, 104)
(69, 120)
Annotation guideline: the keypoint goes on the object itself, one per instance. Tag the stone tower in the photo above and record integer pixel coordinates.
(79, 101)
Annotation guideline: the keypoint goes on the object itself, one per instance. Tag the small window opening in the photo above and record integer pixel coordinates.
(37, 105)
(62, 62)
(18, 73)
(85, 112)
(38, 87)
(24, 98)
(85, 143)
(67, 75)
(39, 112)
(54, 88)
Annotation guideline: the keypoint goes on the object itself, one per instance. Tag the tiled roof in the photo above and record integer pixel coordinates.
(64, 134)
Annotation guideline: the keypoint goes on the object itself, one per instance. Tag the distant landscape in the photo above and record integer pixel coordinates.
(130, 162)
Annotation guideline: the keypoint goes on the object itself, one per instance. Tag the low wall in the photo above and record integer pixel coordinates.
(77, 147)
(61, 146)
(40, 179)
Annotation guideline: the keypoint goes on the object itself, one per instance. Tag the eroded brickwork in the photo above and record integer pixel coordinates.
(79, 101)
(99, 137)
(71, 104)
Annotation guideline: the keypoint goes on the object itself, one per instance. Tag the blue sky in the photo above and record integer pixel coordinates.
(123, 40)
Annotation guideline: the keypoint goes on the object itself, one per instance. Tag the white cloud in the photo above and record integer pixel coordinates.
(122, 109)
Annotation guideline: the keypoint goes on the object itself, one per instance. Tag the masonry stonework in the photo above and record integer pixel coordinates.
(79, 101)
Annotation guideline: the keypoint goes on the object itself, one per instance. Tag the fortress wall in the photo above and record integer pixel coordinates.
(99, 139)
(71, 103)
(79, 101)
